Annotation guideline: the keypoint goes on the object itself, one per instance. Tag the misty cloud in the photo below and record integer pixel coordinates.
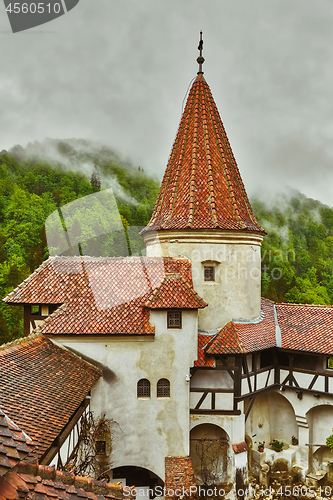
(116, 72)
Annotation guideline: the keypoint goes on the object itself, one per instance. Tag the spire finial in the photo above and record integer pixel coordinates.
(200, 59)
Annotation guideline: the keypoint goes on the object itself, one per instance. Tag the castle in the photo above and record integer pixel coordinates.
(197, 373)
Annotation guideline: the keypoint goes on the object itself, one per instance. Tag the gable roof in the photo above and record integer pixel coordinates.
(14, 444)
(227, 340)
(202, 187)
(103, 295)
(31, 480)
(174, 293)
(42, 385)
(299, 327)
(306, 327)
(260, 334)
(204, 360)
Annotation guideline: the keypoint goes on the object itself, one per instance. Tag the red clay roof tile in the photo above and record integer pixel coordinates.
(42, 387)
(246, 337)
(306, 327)
(203, 358)
(240, 447)
(30, 479)
(227, 341)
(202, 187)
(259, 335)
(102, 295)
(14, 444)
(174, 293)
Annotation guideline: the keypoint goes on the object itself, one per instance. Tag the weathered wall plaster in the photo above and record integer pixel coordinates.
(145, 430)
(235, 293)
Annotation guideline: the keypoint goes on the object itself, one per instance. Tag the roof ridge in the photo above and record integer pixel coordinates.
(224, 163)
(33, 335)
(178, 171)
(29, 278)
(50, 473)
(179, 277)
(230, 325)
(303, 305)
(194, 159)
(209, 341)
(240, 343)
(268, 300)
(50, 317)
(161, 193)
(210, 169)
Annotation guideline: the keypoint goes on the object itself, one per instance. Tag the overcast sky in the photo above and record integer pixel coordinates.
(117, 71)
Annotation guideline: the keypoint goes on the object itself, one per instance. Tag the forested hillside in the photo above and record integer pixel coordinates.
(297, 253)
(32, 187)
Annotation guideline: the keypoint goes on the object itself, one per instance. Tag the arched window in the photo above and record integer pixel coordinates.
(143, 388)
(163, 388)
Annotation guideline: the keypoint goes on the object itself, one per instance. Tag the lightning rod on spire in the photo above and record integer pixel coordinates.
(200, 59)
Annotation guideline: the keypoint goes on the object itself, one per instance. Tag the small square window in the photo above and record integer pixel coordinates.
(209, 273)
(174, 319)
(45, 310)
(330, 363)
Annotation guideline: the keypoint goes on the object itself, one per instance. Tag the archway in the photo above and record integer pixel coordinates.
(320, 420)
(272, 417)
(210, 454)
(138, 476)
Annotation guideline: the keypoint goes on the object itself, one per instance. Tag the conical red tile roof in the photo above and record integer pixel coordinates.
(202, 187)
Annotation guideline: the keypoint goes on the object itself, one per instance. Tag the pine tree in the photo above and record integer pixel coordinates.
(95, 179)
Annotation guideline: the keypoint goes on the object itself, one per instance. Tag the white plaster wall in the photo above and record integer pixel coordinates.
(235, 294)
(282, 418)
(271, 417)
(321, 422)
(145, 430)
(234, 425)
(212, 378)
(222, 401)
(308, 402)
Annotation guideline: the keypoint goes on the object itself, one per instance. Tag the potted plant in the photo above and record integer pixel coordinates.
(261, 446)
(276, 445)
(329, 442)
(294, 440)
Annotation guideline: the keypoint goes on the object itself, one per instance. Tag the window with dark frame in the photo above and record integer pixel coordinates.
(174, 319)
(163, 388)
(143, 388)
(330, 363)
(100, 447)
(209, 273)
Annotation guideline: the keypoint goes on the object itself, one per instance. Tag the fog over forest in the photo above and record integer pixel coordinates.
(117, 72)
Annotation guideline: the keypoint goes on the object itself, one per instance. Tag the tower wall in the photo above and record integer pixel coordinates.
(236, 259)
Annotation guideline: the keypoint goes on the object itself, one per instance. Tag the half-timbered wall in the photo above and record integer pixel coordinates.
(34, 314)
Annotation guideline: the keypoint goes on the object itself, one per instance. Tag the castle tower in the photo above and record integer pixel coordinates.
(203, 213)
